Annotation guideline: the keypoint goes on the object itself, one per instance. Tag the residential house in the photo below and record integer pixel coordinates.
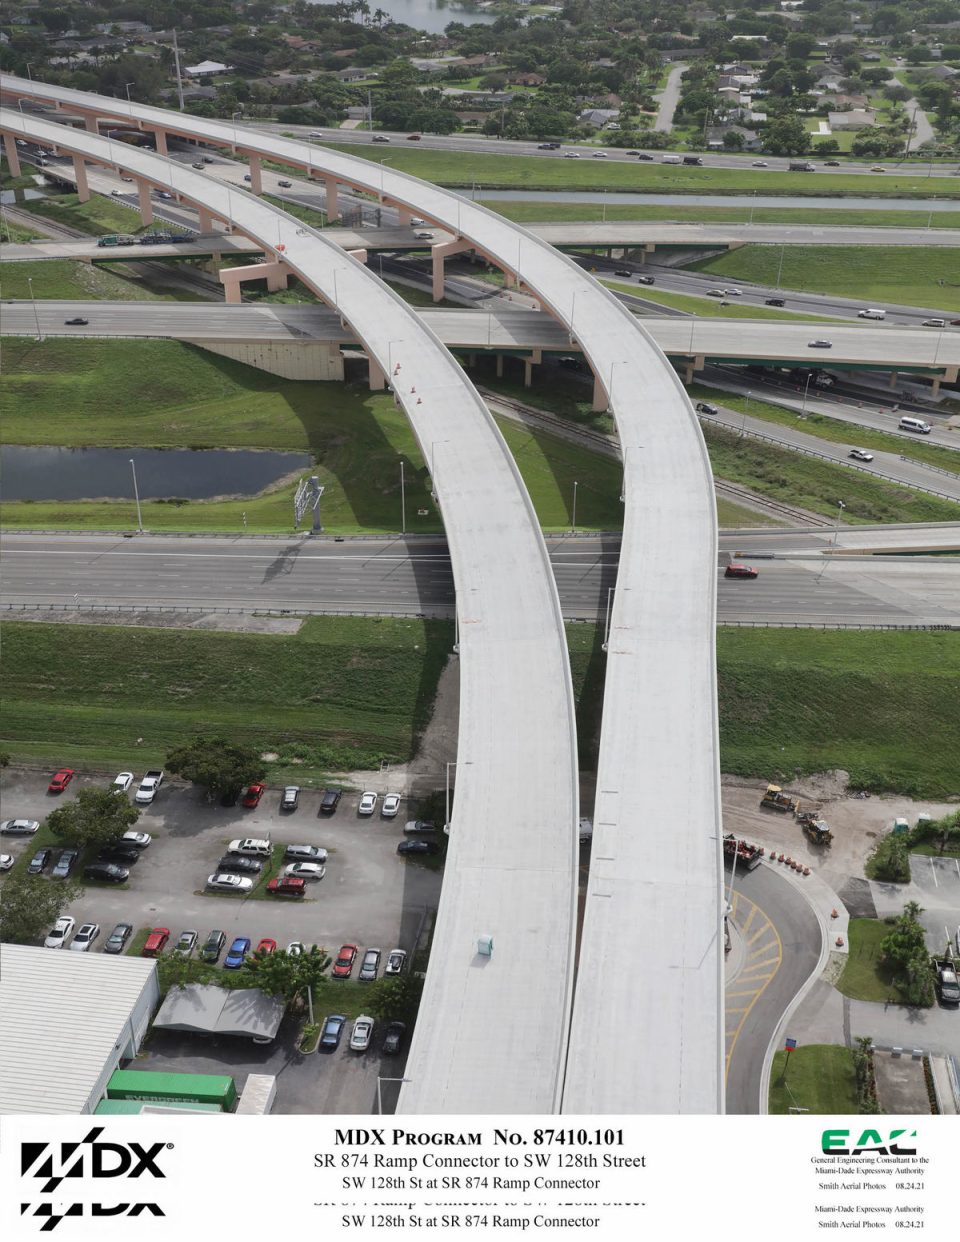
(356, 75)
(715, 133)
(525, 79)
(598, 117)
(206, 69)
(856, 118)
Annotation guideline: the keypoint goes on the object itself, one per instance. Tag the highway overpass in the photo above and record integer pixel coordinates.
(659, 744)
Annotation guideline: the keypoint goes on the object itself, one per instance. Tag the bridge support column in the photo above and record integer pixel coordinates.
(528, 364)
(438, 254)
(90, 123)
(10, 151)
(378, 380)
(696, 363)
(935, 386)
(359, 255)
(256, 175)
(146, 205)
(499, 366)
(160, 138)
(206, 220)
(80, 171)
(232, 278)
(333, 211)
(509, 280)
(405, 214)
(894, 376)
(600, 400)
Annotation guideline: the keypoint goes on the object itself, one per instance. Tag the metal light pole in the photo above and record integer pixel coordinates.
(752, 205)
(573, 515)
(780, 267)
(136, 493)
(803, 408)
(743, 425)
(127, 86)
(836, 529)
(36, 315)
(403, 502)
(606, 629)
(29, 67)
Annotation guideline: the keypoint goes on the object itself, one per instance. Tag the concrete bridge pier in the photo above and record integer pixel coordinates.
(256, 175)
(90, 123)
(535, 358)
(80, 172)
(10, 151)
(330, 185)
(438, 255)
(377, 380)
(145, 202)
(205, 220)
(231, 278)
(405, 214)
(696, 363)
(160, 138)
(499, 366)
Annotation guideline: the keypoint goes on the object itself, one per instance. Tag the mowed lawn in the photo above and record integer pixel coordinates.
(819, 1079)
(704, 307)
(344, 692)
(543, 213)
(65, 279)
(882, 706)
(911, 275)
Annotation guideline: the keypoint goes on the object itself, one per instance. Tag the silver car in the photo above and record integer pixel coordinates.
(86, 935)
(371, 964)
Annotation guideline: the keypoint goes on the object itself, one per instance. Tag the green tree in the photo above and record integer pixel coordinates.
(733, 140)
(786, 136)
(395, 997)
(829, 146)
(93, 818)
(32, 904)
(219, 766)
(902, 944)
(287, 974)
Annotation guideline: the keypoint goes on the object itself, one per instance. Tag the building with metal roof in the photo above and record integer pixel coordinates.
(67, 1020)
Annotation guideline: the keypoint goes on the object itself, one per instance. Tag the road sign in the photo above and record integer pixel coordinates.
(790, 1044)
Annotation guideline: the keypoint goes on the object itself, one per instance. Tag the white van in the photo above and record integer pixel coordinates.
(871, 312)
(915, 424)
(671, 159)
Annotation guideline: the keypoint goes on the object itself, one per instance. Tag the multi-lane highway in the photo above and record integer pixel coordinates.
(410, 576)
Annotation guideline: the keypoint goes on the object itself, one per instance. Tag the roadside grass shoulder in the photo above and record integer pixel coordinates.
(865, 976)
(97, 215)
(543, 213)
(908, 275)
(793, 702)
(819, 1078)
(707, 308)
(67, 280)
(13, 232)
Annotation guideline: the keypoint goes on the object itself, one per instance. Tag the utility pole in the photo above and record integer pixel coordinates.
(176, 61)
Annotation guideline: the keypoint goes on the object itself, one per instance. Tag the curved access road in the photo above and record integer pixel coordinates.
(659, 751)
(513, 872)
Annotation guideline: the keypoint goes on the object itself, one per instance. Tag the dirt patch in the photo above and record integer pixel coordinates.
(857, 823)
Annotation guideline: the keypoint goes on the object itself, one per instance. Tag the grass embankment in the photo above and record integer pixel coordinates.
(64, 279)
(342, 693)
(800, 701)
(864, 976)
(97, 215)
(819, 1079)
(832, 429)
(816, 485)
(543, 213)
(12, 232)
(528, 172)
(909, 275)
(708, 308)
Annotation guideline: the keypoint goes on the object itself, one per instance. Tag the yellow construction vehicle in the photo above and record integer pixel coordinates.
(776, 800)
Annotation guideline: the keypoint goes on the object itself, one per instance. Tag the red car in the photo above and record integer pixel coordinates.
(739, 571)
(156, 942)
(288, 886)
(266, 946)
(61, 780)
(253, 795)
(343, 966)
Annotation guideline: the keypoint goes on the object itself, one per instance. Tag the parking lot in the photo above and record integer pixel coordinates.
(369, 896)
(935, 885)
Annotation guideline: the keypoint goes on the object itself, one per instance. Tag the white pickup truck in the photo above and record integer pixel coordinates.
(148, 787)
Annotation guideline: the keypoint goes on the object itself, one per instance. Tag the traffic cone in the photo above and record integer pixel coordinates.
(839, 942)
(834, 914)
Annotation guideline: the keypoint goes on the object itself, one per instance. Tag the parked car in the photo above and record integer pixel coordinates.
(413, 826)
(237, 954)
(254, 794)
(116, 942)
(118, 851)
(305, 853)
(251, 847)
(76, 322)
(59, 933)
(139, 839)
(65, 864)
(418, 847)
(266, 945)
(6, 862)
(774, 302)
(362, 1034)
(738, 570)
(859, 454)
(229, 882)
(330, 800)
(19, 827)
(391, 804)
(820, 343)
(186, 943)
(947, 984)
(287, 886)
(367, 804)
(308, 871)
(343, 966)
(122, 782)
(156, 942)
(370, 965)
(396, 960)
(38, 861)
(239, 865)
(86, 935)
(108, 872)
(291, 798)
(61, 780)
(706, 407)
(332, 1030)
(213, 946)
(393, 1038)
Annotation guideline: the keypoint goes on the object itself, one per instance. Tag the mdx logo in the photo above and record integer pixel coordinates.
(838, 1143)
(88, 1158)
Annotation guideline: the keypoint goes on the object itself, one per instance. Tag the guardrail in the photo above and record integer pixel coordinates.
(927, 466)
(713, 421)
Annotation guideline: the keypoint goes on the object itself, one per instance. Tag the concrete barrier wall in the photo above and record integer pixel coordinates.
(297, 360)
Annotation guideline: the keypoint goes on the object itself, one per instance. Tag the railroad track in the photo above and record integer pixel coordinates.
(743, 496)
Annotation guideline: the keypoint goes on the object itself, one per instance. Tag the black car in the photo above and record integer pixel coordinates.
(39, 861)
(622, 271)
(330, 800)
(77, 322)
(291, 798)
(117, 940)
(332, 1030)
(393, 1039)
(177, 238)
(239, 865)
(119, 851)
(418, 847)
(774, 302)
(213, 946)
(644, 156)
(65, 864)
(706, 407)
(285, 184)
(107, 871)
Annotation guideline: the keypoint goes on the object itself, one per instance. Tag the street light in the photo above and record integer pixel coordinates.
(573, 515)
(29, 67)
(127, 86)
(136, 493)
(836, 529)
(780, 267)
(233, 118)
(803, 408)
(35, 313)
(403, 502)
(743, 425)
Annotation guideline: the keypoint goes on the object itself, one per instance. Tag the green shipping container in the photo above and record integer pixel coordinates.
(177, 1088)
(137, 1106)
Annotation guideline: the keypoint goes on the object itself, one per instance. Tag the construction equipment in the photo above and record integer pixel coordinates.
(747, 856)
(776, 800)
(818, 830)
